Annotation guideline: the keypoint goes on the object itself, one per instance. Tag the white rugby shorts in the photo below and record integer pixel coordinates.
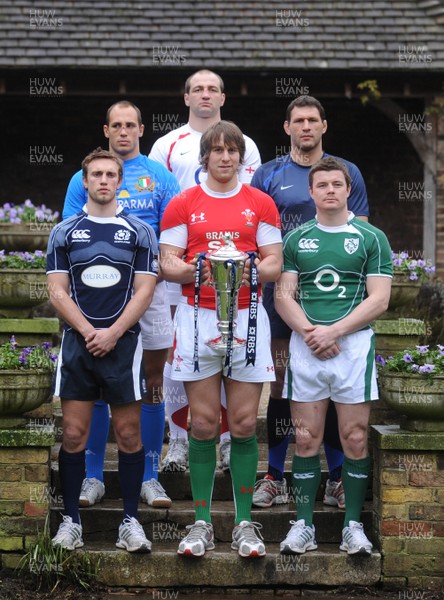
(348, 378)
(212, 360)
(156, 323)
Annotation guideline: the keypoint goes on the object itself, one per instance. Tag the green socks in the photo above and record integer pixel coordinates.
(243, 466)
(306, 479)
(202, 459)
(355, 481)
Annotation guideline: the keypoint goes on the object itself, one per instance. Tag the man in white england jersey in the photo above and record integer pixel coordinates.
(178, 150)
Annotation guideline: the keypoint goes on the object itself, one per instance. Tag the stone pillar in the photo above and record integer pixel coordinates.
(440, 187)
(408, 490)
(24, 487)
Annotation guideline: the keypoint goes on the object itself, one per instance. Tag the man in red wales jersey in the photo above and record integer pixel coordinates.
(195, 222)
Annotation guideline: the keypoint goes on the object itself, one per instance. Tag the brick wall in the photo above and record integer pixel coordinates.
(24, 485)
(408, 492)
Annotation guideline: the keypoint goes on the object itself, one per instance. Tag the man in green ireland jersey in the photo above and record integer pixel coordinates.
(336, 279)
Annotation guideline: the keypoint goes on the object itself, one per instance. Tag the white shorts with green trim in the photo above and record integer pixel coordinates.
(348, 378)
(212, 360)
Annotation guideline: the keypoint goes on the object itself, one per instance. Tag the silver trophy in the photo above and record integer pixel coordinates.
(227, 266)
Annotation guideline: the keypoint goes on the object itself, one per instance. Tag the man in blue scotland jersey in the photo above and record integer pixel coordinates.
(102, 272)
(285, 179)
(336, 280)
(145, 190)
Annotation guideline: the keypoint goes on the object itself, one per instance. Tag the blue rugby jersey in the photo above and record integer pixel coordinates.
(146, 189)
(287, 183)
(101, 257)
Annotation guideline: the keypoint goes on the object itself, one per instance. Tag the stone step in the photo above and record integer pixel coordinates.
(101, 522)
(223, 568)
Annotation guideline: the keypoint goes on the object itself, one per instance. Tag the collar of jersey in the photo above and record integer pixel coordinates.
(214, 194)
(102, 219)
(336, 228)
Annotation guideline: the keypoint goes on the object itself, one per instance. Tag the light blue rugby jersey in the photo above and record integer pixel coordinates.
(146, 189)
(101, 257)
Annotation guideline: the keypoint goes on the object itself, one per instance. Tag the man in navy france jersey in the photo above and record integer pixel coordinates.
(145, 190)
(102, 271)
(285, 179)
(178, 150)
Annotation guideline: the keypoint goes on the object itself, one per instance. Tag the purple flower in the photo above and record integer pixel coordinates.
(397, 262)
(415, 368)
(427, 368)
(408, 358)
(381, 360)
(13, 342)
(422, 349)
(413, 277)
(421, 263)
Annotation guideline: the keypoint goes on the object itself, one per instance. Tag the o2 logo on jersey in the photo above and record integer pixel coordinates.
(308, 245)
(100, 276)
(333, 280)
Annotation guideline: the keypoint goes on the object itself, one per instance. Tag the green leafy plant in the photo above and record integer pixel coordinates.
(27, 213)
(22, 260)
(369, 90)
(49, 567)
(32, 357)
(422, 361)
(417, 270)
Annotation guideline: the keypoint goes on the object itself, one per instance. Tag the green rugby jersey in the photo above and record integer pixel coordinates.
(332, 264)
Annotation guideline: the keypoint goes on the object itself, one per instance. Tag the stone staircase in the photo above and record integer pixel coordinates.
(221, 568)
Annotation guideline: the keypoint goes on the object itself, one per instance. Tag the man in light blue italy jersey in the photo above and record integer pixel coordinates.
(336, 280)
(144, 192)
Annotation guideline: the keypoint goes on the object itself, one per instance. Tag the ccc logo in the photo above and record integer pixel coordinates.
(306, 244)
(81, 234)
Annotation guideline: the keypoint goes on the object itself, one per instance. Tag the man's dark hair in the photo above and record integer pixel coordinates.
(232, 138)
(329, 163)
(99, 153)
(302, 101)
